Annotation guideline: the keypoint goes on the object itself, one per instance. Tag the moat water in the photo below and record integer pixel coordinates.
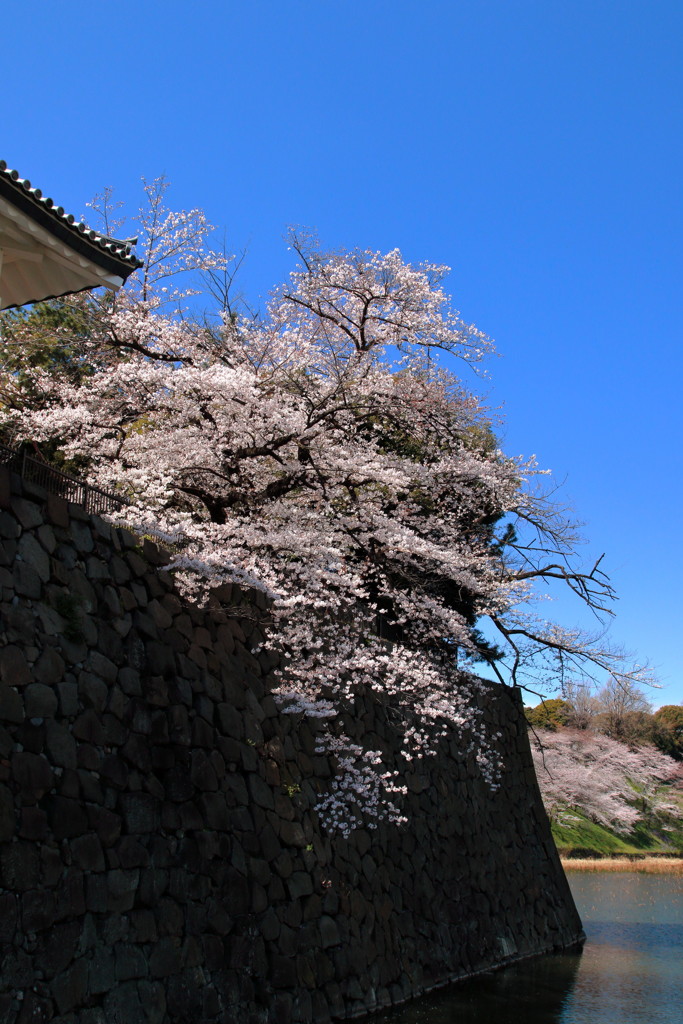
(630, 970)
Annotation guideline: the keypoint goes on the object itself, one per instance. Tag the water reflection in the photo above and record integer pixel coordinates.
(631, 970)
(534, 991)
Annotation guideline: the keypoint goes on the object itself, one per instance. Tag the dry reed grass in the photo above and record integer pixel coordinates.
(649, 865)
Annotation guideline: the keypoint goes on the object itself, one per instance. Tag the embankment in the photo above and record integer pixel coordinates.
(160, 856)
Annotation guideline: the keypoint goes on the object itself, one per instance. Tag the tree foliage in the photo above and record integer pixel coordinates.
(326, 453)
(549, 714)
(669, 730)
(615, 785)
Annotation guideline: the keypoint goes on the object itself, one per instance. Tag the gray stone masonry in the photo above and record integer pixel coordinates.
(160, 856)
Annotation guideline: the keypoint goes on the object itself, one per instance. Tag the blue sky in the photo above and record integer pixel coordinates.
(533, 147)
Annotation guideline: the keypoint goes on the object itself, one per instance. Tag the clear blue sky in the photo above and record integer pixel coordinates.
(534, 147)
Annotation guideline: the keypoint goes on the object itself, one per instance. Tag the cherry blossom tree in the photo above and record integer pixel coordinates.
(327, 454)
(614, 784)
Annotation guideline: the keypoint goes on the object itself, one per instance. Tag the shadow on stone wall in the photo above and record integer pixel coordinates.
(160, 858)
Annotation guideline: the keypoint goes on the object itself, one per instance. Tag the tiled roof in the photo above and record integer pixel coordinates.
(111, 253)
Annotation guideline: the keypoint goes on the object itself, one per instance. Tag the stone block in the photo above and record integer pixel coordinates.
(189, 816)
(49, 668)
(329, 932)
(31, 736)
(282, 972)
(60, 948)
(37, 910)
(299, 884)
(68, 817)
(120, 573)
(30, 551)
(35, 1009)
(117, 702)
(89, 757)
(259, 898)
(283, 863)
(92, 690)
(9, 916)
(93, 1015)
(102, 666)
(137, 565)
(216, 813)
(70, 988)
(27, 582)
(87, 853)
(106, 824)
(74, 651)
(96, 568)
(141, 813)
(160, 615)
(11, 704)
(170, 917)
(203, 734)
(57, 511)
(160, 659)
(88, 727)
(178, 784)
(131, 962)
(179, 725)
(96, 895)
(32, 773)
(8, 554)
(202, 772)
(122, 887)
(40, 701)
(17, 970)
(181, 690)
(51, 866)
(156, 690)
(27, 512)
(14, 668)
(115, 771)
(6, 743)
(81, 537)
(131, 853)
(292, 834)
(101, 972)
(46, 536)
(123, 1005)
(197, 655)
(260, 792)
(137, 752)
(112, 602)
(9, 527)
(33, 824)
(164, 958)
(249, 758)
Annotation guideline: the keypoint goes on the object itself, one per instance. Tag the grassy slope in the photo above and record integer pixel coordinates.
(576, 835)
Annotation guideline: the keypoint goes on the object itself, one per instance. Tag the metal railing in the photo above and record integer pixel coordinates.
(95, 500)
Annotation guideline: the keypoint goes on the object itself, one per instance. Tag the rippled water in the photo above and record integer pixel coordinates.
(630, 971)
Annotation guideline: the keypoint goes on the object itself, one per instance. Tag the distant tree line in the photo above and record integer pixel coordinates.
(619, 710)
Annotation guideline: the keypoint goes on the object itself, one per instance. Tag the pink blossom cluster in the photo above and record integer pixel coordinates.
(609, 781)
(360, 794)
(323, 455)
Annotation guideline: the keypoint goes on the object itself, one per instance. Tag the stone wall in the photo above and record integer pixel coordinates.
(160, 858)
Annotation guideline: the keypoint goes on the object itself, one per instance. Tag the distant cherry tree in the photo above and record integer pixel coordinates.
(613, 784)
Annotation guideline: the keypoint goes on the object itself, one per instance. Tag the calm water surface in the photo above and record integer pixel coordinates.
(630, 971)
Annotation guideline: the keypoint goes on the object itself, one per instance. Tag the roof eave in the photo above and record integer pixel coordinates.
(120, 266)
